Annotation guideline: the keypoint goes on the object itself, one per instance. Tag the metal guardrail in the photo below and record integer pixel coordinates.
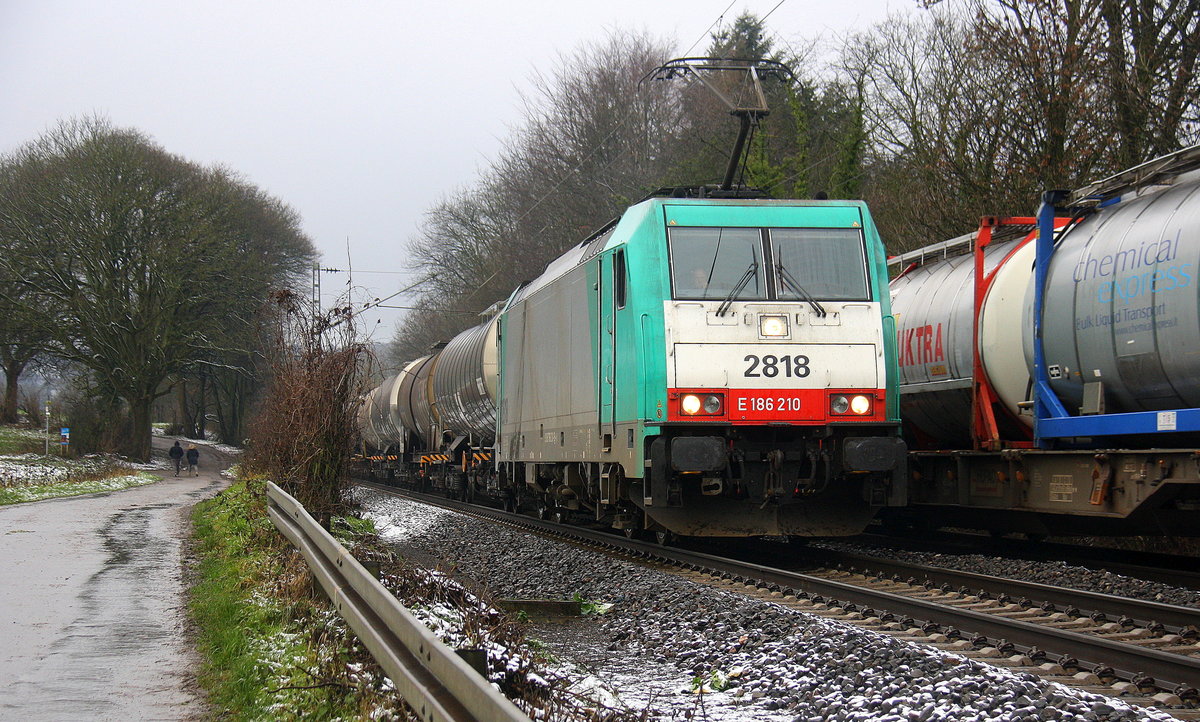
(431, 677)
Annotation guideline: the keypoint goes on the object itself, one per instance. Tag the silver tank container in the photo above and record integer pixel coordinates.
(377, 417)
(366, 412)
(1122, 304)
(933, 307)
(413, 405)
(1122, 308)
(465, 381)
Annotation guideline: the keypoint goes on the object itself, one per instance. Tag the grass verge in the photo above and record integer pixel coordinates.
(275, 650)
(21, 440)
(38, 492)
(272, 649)
(34, 476)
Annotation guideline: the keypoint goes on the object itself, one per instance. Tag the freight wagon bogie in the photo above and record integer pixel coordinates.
(1056, 493)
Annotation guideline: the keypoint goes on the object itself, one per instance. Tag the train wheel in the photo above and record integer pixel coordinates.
(665, 538)
(543, 511)
(560, 517)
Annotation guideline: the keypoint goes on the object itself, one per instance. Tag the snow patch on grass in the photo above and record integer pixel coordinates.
(33, 477)
(21, 494)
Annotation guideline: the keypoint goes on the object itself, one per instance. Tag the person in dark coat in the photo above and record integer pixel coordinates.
(176, 454)
(193, 457)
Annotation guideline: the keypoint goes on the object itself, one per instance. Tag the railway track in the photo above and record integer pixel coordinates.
(1085, 651)
(1156, 567)
(1102, 610)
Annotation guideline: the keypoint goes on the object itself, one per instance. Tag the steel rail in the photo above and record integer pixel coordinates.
(1127, 660)
(1170, 569)
(432, 678)
(1140, 610)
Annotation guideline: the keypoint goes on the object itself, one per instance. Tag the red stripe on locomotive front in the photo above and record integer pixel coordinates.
(805, 407)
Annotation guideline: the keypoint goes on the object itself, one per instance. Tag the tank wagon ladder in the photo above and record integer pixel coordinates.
(1051, 419)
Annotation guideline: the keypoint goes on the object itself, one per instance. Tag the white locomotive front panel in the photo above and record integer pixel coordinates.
(777, 363)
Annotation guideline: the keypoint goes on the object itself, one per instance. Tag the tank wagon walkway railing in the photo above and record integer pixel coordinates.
(432, 678)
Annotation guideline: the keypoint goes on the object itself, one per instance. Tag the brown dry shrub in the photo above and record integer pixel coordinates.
(305, 429)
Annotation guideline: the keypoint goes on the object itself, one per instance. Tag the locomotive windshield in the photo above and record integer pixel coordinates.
(803, 264)
(828, 263)
(712, 262)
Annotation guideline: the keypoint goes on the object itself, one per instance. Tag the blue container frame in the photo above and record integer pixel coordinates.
(1051, 420)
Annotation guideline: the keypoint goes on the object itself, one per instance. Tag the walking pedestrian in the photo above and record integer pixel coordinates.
(176, 454)
(193, 457)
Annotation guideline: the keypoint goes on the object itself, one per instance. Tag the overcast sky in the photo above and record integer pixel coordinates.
(359, 114)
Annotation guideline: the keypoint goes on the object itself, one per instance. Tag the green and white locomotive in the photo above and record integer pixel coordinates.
(701, 366)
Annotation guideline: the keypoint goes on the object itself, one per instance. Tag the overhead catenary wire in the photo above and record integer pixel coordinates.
(435, 310)
(345, 270)
(577, 167)
(715, 23)
(764, 17)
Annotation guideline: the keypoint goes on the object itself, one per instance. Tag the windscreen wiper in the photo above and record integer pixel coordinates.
(751, 272)
(788, 280)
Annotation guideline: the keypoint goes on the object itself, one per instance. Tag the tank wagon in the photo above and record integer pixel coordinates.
(1050, 366)
(701, 366)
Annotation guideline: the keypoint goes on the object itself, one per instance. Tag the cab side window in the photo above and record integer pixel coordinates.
(619, 284)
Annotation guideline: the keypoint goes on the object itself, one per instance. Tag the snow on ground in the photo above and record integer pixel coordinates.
(36, 469)
(396, 520)
(21, 494)
(668, 638)
(33, 477)
(223, 448)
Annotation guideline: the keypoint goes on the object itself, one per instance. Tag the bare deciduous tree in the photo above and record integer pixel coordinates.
(593, 142)
(140, 264)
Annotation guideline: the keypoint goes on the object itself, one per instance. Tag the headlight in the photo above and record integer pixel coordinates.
(839, 404)
(772, 326)
(860, 405)
(704, 405)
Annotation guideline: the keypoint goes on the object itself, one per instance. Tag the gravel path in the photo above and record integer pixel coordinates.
(1043, 572)
(758, 660)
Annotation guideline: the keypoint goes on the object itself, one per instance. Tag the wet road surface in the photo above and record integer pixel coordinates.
(92, 611)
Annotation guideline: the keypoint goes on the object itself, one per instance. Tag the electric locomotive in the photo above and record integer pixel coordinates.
(708, 367)
(701, 366)
(709, 364)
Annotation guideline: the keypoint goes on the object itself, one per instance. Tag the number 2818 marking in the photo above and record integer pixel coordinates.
(793, 366)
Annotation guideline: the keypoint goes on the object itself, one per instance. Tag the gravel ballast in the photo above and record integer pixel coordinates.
(669, 638)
